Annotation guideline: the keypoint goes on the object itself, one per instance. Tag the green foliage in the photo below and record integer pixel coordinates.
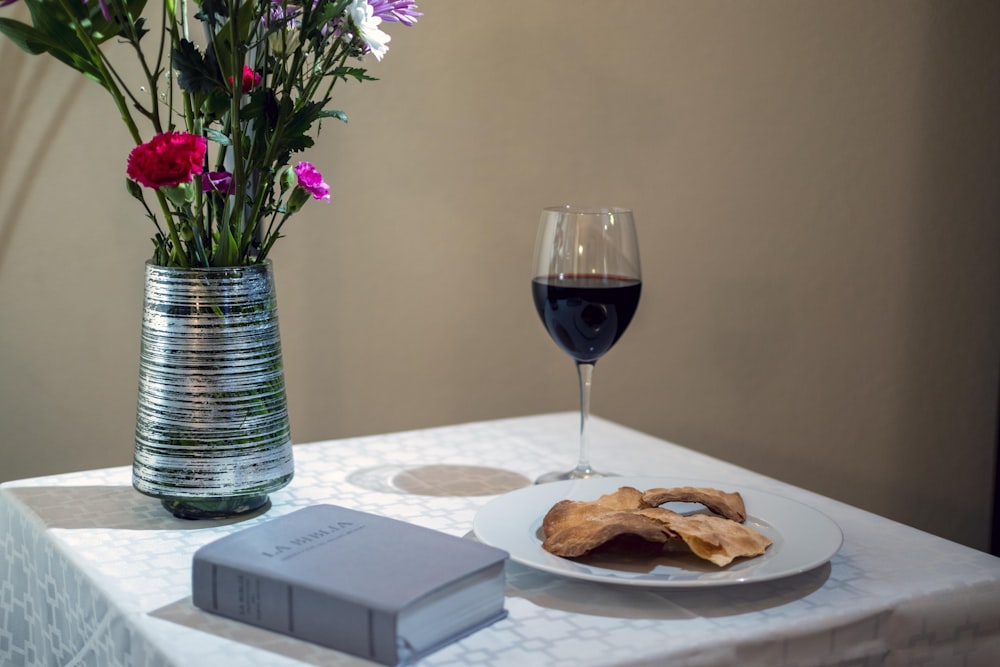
(333, 113)
(212, 12)
(356, 73)
(217, 137)
(56, 28)
(26, 37)
(256, 86)
(196, 73)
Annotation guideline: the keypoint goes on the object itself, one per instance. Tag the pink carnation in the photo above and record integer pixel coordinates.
(311, 181)
(167, 159)
(251, 79)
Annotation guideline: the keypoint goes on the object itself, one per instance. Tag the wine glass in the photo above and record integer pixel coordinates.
(586, 285)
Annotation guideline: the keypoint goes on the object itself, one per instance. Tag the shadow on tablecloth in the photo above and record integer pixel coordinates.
(607, 600)
(183, 612)
(115, 507)
(438, 480)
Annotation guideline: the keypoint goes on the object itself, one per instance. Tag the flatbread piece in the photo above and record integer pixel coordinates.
(574, 528)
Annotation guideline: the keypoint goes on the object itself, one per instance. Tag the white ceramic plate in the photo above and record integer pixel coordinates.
(803, 538)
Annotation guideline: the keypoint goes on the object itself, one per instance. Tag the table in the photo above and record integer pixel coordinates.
(93, 573)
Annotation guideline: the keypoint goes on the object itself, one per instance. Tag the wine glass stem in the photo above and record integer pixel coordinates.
(585, 371)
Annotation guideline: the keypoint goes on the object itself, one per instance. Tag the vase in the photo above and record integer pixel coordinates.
(212, 437)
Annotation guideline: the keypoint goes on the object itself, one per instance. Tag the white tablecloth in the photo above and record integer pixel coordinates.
(93, 573)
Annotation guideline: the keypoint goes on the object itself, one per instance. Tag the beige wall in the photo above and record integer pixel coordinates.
(815, 184)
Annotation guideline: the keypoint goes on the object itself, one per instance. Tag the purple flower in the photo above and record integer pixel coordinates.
(311, 181)
(280, 14)
(4, 3)
(397, 11)
(284, 21)
(217, 181)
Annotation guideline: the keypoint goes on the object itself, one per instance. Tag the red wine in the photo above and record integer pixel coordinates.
(585, 315)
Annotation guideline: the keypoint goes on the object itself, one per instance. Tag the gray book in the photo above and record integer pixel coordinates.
(375, 587)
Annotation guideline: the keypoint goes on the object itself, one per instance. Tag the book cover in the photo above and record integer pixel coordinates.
(375, 587)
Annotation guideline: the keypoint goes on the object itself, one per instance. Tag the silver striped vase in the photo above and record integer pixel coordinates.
(212, 437)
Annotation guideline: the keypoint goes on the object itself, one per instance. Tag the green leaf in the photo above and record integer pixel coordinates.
(297, 143)
(216, 104)
(303, 119)
(195, 73)
(52, 18)
(294, 136)
(217, 137)
(263, 104)
(227, 250)
(332, 11)
(36, 42)
(339, 115)
(25, 37)
(212, 11)
(102, 30)
(54, 31)
(134, 189)
(140, 28)
(359, 73)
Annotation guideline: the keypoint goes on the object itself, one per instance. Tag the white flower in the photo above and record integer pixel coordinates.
(363, 17)
(284, 41)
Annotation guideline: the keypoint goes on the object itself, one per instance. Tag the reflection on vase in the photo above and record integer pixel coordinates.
(212, 437)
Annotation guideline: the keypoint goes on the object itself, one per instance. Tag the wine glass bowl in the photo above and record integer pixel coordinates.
(586, 285)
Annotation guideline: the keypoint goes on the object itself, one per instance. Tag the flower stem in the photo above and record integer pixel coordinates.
(107, 80)
(226, 253)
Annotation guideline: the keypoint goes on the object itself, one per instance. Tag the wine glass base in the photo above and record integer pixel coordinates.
(572, 474)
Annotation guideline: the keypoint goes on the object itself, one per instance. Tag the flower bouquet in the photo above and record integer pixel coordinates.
(231, 90)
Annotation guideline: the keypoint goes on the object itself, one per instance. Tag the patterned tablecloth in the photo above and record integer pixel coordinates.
(93, 573)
